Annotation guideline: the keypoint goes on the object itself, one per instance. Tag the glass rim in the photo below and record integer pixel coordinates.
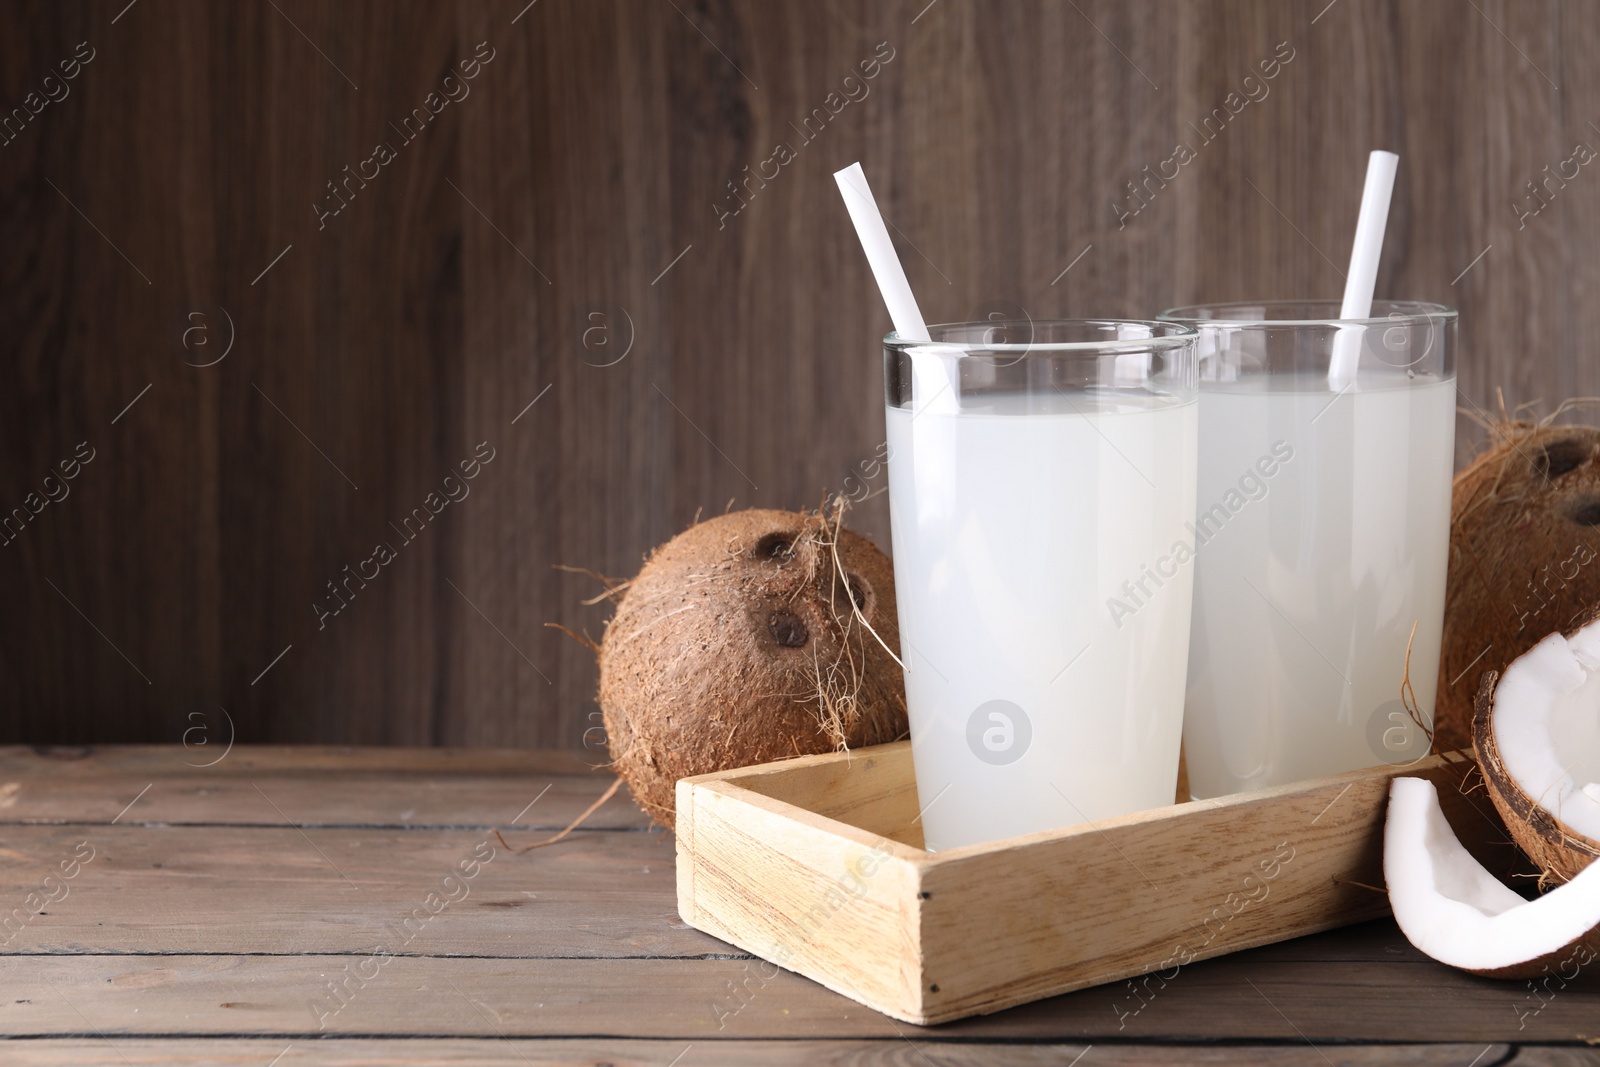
(1165, 336)
(1410, 312)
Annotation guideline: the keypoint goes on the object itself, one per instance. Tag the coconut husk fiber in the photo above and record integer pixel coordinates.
(751, 637)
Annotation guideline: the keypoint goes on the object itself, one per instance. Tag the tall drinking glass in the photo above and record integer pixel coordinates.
(1321, 538)
(1038, 471)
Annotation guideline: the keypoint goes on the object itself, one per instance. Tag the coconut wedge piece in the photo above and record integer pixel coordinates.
(1536, 733)
(1454, 910)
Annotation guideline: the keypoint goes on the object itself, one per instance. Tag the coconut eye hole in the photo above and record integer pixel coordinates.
(787, 629)
(1585, 512)
(778, 547)
(860, 594)
(1561, 457)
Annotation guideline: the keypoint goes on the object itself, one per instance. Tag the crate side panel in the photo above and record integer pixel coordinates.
(1146, 896)
(839, 910)
(872, 788)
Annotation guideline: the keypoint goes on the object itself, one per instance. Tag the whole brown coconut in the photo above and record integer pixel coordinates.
(1523, 558)
(742, 641)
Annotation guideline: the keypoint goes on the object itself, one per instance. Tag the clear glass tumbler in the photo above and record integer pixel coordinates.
(1321, 538)
(1039, 472)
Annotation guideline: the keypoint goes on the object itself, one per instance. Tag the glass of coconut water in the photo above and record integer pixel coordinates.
(1320, 540)
(1037, 472)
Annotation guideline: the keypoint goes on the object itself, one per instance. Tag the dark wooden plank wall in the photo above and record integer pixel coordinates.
(537, 217)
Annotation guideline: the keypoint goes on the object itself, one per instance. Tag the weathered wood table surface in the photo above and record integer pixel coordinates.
(352, 906)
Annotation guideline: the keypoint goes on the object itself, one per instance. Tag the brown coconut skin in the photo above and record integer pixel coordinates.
(1524, 559)
(1551, 962)
(712, 660)
(1559, 851)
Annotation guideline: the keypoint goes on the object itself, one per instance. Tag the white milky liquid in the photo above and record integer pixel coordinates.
(1012, 535)
(1324, 526)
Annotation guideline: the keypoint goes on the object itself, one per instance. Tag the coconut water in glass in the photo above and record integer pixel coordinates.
(1035, 468)
(1321, 540)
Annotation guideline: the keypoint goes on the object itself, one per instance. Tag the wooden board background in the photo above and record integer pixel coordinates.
(465, 279)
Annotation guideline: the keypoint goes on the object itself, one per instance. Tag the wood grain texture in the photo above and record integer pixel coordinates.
(192, 943)
(598, 895)
(208, 785)
(523, 241)
(1555, 1057)
(1230, 999)
(932, 938)
(888, 1052)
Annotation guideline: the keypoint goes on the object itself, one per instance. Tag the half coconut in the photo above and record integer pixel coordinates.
(1451, 908)
(1536, 732)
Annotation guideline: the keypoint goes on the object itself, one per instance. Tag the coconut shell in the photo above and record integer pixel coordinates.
(1559, 851)
(1414, 901)
(737, 643)
(1524, 558)
(1553, 962)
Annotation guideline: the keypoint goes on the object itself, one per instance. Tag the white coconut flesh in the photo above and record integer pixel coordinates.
(1454, 910)
(1546, 723)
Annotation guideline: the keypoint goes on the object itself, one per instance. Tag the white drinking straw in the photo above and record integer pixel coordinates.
(886, 268)
(1363, 276)
(932, 382)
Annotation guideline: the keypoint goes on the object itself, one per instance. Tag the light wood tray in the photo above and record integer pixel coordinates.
(816, 864)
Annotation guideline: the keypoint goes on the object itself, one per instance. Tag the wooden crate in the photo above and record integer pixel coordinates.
(816, 864)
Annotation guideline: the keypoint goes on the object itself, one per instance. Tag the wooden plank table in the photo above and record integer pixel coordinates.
(295, 906)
